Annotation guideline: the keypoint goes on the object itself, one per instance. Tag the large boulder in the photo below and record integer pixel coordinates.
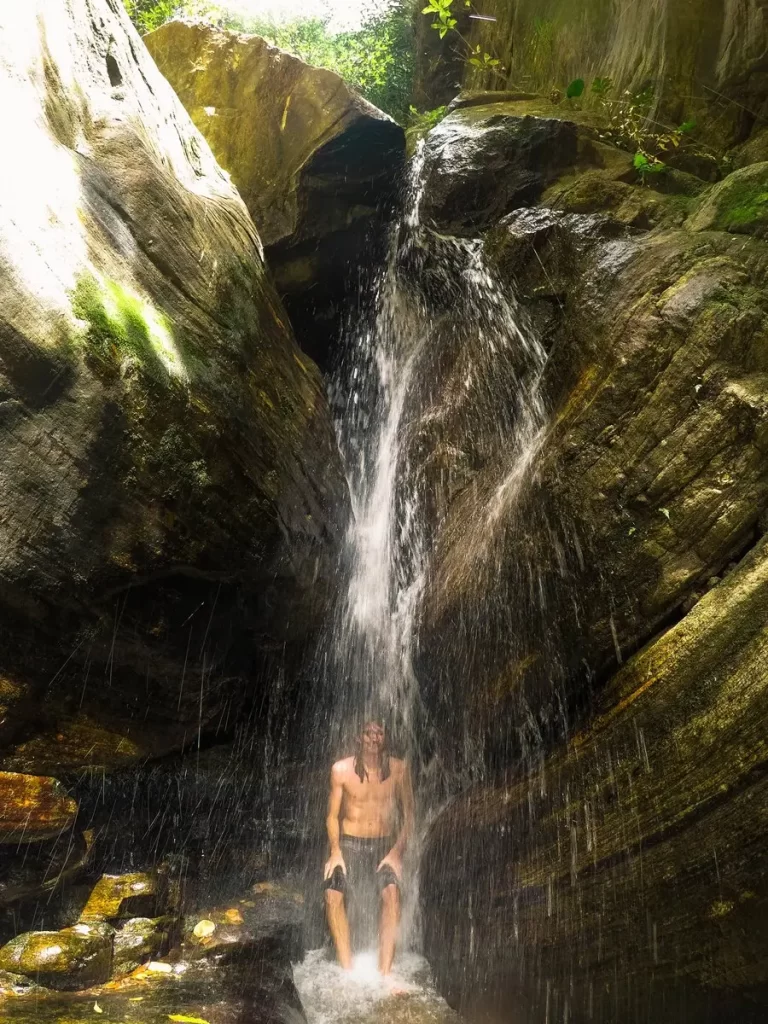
(170, 480)
(646, 476)
(586, 445)
(315, 163)
(624, 878)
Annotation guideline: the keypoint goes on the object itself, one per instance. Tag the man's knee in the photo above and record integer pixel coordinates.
(334, 898)
(390, 895)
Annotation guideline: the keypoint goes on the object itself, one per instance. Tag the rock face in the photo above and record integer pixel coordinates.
(170, 482)
(315, 163)
(649, 474)
(33, 808)
(611, 866)
(703, 59)
(626, 877)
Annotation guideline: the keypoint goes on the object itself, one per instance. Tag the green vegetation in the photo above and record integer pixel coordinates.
(377, 59)
(444, 21)
(630, 125)
(148, 15)
(420, 124)
(120, 323)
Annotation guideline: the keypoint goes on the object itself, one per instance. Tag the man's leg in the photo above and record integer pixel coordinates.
(339, 925)
(388, 922)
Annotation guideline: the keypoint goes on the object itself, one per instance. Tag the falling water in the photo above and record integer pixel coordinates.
(433, 295)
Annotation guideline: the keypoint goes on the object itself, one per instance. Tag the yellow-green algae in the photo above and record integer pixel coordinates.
(120, 321)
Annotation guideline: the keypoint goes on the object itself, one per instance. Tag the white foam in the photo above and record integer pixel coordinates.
(331, 995)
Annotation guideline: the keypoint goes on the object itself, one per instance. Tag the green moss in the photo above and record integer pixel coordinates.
(751, 207)
(738, 204)
(120, 323)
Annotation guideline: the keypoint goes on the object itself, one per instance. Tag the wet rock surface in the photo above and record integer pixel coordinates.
(170, 476)
(317, 165)
(483, 162)
(244, 974)
(634, 517)
(73, 958)
(141, 940)
(650, 478)
(657, 801)
(33, 808)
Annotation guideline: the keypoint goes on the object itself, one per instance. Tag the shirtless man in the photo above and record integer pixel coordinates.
(362, 807)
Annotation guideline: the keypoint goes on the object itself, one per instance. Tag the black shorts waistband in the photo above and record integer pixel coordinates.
(362, 844)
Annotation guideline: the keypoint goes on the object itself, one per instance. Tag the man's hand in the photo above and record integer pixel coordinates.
(334, 861)
(394, 861)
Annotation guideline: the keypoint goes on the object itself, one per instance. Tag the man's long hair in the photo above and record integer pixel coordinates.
(360, 771)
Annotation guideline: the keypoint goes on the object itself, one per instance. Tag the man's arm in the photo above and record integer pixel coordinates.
(394, 858)
(332, 823)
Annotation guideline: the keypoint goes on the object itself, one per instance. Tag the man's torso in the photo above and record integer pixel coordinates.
(369, 807)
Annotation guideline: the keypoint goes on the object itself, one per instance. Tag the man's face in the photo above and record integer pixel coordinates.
(373, 738)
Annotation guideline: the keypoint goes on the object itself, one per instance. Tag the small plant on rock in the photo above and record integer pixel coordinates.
(631, 126)
(444, 21)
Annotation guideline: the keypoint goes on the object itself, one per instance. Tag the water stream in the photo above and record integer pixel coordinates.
(434, 294)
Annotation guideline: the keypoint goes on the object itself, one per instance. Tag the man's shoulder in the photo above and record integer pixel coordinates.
(343, 767)
(396, 765)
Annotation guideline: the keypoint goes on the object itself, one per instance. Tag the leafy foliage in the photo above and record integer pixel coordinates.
(445, 21)
(442, 13)
(377, 59)
(421, 122)
(575, 89)
(148, 15)
(630, 125)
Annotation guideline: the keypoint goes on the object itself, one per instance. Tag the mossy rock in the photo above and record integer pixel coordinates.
(33, 807)
(141, 939)
(70, 959)
(738, 204)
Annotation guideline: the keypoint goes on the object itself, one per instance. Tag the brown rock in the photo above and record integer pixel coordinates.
(33, 808)
(169, 475)
(316, 164)
(119, 897)
(70, 959)
(626, 875)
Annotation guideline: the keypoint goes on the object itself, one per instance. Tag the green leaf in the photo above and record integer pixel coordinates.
(443, 31)
(601, 86)
(687, 126)
(640, 161)
(575, 89)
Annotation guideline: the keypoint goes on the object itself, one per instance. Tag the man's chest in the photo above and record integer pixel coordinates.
(369, 792)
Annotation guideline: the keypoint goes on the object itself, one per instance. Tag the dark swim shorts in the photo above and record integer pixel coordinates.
(362, 857)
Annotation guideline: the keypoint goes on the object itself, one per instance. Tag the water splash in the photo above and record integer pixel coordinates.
(331, 995)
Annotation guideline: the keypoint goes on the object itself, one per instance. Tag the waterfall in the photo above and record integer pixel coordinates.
(434, 295)
(433, 292)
